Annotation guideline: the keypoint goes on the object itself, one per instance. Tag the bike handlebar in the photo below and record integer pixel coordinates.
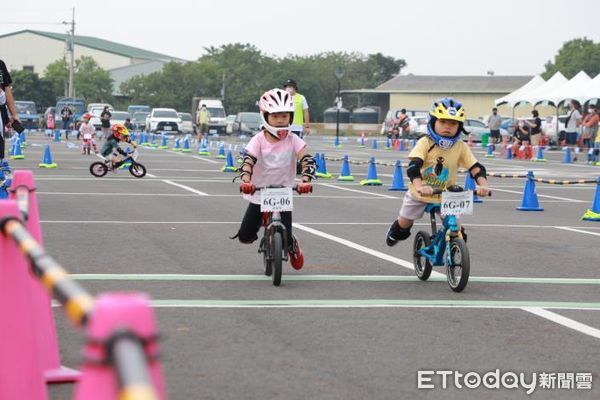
(440, 191)
(294, 188)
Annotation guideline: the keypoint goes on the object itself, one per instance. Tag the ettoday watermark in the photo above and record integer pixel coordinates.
(497, 379)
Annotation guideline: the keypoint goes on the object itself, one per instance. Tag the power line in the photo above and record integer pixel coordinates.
(29, 23)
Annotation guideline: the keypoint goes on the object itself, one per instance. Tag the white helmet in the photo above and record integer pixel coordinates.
(276, 101)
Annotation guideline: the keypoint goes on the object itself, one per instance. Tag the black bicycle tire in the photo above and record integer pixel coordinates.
(104, 169)
(465, 265)
(277, 257)
(427, 268)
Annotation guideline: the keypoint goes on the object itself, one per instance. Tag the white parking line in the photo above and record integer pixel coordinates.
(565, 228)
(564, 321)
(357, 191)
(541, 195)
(189, 189)
(356, 246)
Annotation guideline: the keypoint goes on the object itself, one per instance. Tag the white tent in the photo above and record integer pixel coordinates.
(573, 89)
(514, 97)
(542, 92)
(592, 90)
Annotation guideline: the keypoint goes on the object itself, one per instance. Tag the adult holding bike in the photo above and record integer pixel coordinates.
(270, 160)
(433, 164)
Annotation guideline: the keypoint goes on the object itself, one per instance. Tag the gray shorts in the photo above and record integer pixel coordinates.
(412, 208)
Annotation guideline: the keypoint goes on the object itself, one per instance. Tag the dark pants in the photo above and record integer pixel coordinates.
(65, 124)
(252, 221)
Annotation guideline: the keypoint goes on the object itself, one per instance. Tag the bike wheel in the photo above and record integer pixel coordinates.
(277, 254)
(458, 265)
(137, 170)
(422, 264)
(266, 261)
(98, 169)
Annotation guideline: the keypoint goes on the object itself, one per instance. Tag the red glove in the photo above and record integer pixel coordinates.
(304, 187)
(247, 188)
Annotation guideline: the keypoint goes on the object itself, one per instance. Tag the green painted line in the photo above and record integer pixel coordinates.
(373, 303)
(330, 278)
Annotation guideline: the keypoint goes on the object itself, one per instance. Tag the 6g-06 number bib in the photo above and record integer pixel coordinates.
(279, 199)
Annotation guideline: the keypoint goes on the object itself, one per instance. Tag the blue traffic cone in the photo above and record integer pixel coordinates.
(388, 144)
(229, 167)
(490, 151)
(5, 179)
(567, 157)
(164, 141)
(372, 179)
(530, 200)
(221, 154)
(337, 141)
(401, 147)
(203, 151)
(16, 153)
(57, 135)
(176, 146)
(362, 142)
(374, 144)
(322, 168)
(593, 214)
(508, 154)
(186, 144)
(23, 138)
(540, 155)
(413, 143)
(153, 142)
(345, 174)
(398, 180)
(47, 160)
(470, 184)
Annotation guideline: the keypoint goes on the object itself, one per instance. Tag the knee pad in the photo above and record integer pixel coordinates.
(399, 233)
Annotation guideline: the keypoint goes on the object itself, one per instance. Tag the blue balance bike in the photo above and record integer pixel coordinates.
(443, 247)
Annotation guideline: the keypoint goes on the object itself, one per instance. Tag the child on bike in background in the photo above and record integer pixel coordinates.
(88, 132)
(118, 134)
(270, 160)
(434, 162)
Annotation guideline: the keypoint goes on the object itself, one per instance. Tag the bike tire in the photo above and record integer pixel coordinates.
(266, 261)
(421, 263)
(137, 170)
(277, 255)
(98, 169)
(459, 268)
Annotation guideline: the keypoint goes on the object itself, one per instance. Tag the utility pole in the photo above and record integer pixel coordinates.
(71, 50)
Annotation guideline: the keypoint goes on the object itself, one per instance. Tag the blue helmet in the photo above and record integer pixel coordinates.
(446, 108)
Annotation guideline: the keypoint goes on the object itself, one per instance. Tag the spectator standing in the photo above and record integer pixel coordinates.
(301, 122)
(494, 125)
(202, 119)
(66, 115)
(105, 117)
(535, 128)
(7, 104)
(571, 125)
(590, 126)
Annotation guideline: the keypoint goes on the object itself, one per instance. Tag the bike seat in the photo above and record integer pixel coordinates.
(433, 207)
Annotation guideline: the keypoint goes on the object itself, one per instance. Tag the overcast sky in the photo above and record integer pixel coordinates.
(461, 37)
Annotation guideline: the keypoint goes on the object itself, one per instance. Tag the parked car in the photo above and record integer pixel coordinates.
(187, 125)
(137, 108)
(246, 123)
(27, 114)
(91, 106)
(476, 128)
(77, 106)
(163, 120)
(118, 117)
(229, 123)
(139, 120)
(393, 115)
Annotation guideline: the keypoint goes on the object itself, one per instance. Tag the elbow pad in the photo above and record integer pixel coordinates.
(414, 169)
(482, 171)
(309, 166)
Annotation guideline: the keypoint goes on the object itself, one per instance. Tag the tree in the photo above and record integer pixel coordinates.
(91, 82)
(574, 56)
(29, 86)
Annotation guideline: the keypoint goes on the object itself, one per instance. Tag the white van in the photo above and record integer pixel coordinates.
(217, 122)
(99, 105)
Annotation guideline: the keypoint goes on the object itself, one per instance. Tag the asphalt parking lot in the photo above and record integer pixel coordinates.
(355, 322)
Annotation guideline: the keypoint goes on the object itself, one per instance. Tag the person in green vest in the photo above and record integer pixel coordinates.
(301, 122)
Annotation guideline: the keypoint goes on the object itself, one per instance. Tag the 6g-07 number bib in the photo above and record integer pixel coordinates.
(457, 203)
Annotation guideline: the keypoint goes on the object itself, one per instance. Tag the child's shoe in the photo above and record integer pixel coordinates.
(295, 253)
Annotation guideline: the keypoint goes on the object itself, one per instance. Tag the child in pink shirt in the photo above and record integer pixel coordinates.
(88, 132)
(270, 160)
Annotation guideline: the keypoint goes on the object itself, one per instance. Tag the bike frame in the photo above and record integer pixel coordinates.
(439, 239)
(274, 224)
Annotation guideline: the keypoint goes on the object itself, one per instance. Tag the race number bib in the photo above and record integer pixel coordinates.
(457, 203)
(279, 199)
